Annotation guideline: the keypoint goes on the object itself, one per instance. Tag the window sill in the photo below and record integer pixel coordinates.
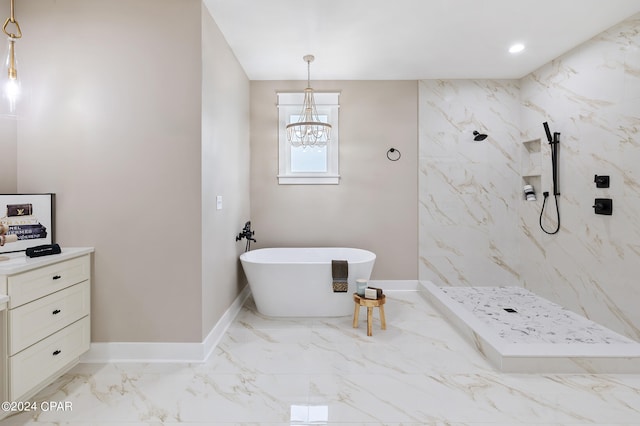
(309, 179)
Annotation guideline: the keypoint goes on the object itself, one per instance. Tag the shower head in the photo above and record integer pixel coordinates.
(478, 136)
(547, 131)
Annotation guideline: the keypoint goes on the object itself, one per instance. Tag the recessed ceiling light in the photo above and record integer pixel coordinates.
(516, 48)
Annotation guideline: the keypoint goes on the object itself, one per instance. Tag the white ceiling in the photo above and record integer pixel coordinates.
(407, 39)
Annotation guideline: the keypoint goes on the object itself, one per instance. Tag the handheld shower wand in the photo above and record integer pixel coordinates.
(546, 129)
(553, 142)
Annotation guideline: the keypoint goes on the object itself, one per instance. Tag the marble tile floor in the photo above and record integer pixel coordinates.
(322, 371)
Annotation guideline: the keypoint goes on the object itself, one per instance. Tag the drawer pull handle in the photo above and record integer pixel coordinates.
(56, 352)
(56, 312)
(56, 277)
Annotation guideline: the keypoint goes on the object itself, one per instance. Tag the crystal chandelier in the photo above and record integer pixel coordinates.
(308, 130)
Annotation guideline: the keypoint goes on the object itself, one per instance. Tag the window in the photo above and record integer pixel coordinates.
(309, 165)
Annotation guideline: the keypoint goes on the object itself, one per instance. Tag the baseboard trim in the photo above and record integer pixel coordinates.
(218, 331)
(395, 285)
(166, 352)
(151, 352)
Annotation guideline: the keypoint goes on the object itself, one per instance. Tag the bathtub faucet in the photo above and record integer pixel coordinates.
(248, 234)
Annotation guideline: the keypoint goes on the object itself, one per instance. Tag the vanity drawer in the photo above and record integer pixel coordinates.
(35, 364)
(34, 321)
(31, 285)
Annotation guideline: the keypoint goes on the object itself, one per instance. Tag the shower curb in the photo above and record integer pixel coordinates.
(508, 357)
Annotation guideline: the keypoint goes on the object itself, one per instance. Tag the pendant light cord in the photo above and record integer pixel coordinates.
(12, 20)
(308, 59)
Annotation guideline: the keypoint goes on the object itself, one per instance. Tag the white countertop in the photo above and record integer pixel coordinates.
(20, 262)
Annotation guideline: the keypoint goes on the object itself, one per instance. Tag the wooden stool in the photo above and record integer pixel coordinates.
(370, 304)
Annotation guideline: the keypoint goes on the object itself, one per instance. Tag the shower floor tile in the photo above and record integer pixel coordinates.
(519, 316)
(519, 331)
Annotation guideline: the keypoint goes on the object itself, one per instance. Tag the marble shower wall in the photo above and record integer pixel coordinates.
(475, 227)
(592, 96)
(468, 190)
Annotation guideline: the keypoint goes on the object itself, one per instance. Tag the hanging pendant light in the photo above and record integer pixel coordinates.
(309, 130)
(10, 81)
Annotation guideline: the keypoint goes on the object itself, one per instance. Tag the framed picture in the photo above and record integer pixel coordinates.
(27, 220)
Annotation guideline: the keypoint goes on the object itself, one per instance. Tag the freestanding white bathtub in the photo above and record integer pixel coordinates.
(297, 282)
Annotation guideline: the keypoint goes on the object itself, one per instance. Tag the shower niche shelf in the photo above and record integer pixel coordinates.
(531, 163)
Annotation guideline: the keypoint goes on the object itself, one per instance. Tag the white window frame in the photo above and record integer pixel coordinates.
(290, 103)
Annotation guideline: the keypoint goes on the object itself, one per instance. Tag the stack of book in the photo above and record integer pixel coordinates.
(373, 293)
(21, 222)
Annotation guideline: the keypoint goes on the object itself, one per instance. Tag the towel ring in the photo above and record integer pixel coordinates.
(392, 156)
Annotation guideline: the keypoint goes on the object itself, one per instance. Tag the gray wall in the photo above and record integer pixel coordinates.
(8, 156)
(225, 172)
(375, 205)
(119, 128)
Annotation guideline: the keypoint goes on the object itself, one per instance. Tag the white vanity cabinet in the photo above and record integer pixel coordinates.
(46, 323)
(3, 345)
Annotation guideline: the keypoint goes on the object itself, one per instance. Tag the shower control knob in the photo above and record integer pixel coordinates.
(601, 181)
(603, 206)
